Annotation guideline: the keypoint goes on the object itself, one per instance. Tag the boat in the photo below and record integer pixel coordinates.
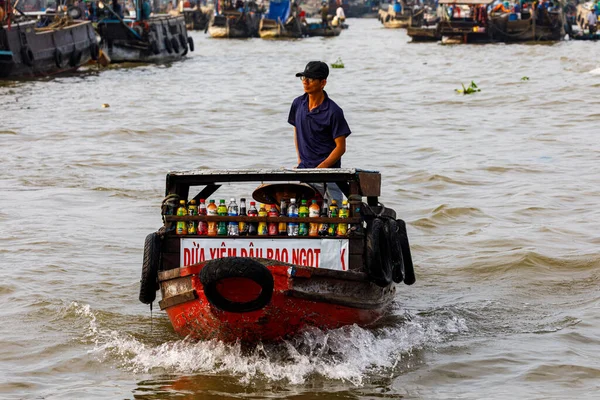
(156, 39)
(530, 25)
(43, 45)
(392, 20)
(577, 22)
(424, 33)
(231, 24)
(279, 22)
(361, 9)
(317, 29)
(458, 26)
(268, 288)
(197, 18)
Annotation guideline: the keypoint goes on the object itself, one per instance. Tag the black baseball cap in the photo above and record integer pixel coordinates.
(315, 70)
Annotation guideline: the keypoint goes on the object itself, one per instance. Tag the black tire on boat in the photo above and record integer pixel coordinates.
(236, 267)
(149, 280)
(168, 45)
(58, 58)
(190, 43)
(175, 44)
(182, 41)
(391, 231)
(409, 272)
(75, 58)
(379, 263)
(74, 12)
(387, 18)
(154, 45)
(27, 56)
(94, 51)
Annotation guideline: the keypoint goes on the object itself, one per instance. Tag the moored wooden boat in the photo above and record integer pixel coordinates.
(157, 39)
(458, 29)
(317, 29)
(197, 19)
(52, 45)
(275, 29)
(537, 26)
(255, 288)
(234, 24)
(424, 34)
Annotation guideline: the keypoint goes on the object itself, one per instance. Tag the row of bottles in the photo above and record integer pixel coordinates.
(241, 228)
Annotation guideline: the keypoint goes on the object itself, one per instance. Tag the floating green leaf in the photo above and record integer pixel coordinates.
(472, 88)
(338, 63)
(525, 78)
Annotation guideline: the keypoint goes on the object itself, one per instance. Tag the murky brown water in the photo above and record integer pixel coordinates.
(500, 190)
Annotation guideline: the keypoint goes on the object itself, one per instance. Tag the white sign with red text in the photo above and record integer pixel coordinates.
(318, 253)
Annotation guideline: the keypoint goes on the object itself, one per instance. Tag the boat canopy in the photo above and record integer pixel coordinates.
(369, 182)
(467, 2)
(279, 10)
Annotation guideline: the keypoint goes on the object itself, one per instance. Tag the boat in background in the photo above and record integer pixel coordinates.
(530, 25)
(198, 18)
(392, 20)
(317, 29)
(232, 24)
(43, 45)
(156, 39)
(279, 23)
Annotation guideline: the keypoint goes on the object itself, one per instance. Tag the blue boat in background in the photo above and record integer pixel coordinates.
(280, 22)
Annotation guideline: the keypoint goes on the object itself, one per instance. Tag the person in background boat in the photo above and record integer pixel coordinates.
(146, 10)
(169, 6)
(397, 8)
(324, 11)
(116, 7)
(320, 129)
(339, 13)
(592, 20)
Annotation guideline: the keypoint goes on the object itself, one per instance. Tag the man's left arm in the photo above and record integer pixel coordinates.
(336, 154)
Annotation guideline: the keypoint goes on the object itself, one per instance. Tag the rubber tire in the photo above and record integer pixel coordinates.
(379, 264)
(94, 51)
(182, 41)
(168, 45)
(74, 12)
(236, 267)
(387, 18)
(149, 280)
(75, 58)
(190, 43)
(154, 47)
(175, 44)
(409, 272)
(27, 56)
(391, 232)
(58, 58)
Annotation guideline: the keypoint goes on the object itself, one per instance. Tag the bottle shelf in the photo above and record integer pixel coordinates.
(313, 220)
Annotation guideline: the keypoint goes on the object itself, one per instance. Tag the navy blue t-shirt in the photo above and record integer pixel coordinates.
(316, 130)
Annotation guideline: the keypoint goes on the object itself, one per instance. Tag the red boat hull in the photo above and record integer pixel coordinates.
(302, 296)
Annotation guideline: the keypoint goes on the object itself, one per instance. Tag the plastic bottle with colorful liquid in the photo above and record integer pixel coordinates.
(192, 228)
(202, 225)
(243, 226)
(283, 213)
(181, 228)
(324, 226)
(293, 213)
(273, 226)
(222, 212)
(212, 210)
(262, 225)
(252, 226)
(303, 213)
(313, 212)
(342, 228)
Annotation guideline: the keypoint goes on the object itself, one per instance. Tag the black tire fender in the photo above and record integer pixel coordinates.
(391, 232)
(387, 18)
(94, 51)
(236, 267)
(149, 280)
(27, 56)
(154, 45)
(168, 45)
(58, 58)
(175, 44)
(190, 43)
(379, 265)
(75, 58)
(182, 41)
(409, 272)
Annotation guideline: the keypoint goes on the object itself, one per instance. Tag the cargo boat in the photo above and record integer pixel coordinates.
(31, 47)
(267, 288)
(158, 39)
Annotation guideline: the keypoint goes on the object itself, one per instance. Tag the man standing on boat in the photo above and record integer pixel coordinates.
(320, 129)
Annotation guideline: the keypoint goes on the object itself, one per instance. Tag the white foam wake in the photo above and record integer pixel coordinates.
(348, 354)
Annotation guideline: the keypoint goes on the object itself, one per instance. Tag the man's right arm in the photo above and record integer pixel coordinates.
(296, 143)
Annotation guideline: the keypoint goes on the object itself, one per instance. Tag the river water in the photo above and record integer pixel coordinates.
(500, 191)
